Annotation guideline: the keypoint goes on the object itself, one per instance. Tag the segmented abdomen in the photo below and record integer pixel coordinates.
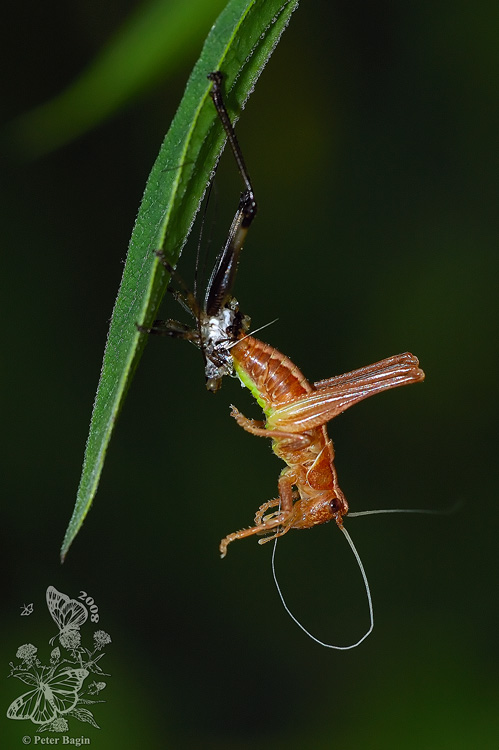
(271, 377)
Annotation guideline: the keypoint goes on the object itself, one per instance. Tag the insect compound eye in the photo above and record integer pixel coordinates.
(339, 505)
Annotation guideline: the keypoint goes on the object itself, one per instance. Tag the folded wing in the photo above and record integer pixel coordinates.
(335, 395)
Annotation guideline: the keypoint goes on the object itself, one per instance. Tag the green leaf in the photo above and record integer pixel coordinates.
(156, 40)
(239, 44)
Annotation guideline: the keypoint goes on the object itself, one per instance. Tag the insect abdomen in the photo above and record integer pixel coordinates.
(271, 377)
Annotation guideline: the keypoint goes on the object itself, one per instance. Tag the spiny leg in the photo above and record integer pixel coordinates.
(285, 501)
(280, 520)
(259, 515)
(267, 526)
(257, 427)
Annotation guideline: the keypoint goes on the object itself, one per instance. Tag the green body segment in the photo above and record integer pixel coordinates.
(249, 383)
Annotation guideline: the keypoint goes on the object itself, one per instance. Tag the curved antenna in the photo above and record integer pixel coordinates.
(368, 592)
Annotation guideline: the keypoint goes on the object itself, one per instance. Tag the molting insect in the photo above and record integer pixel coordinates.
(296, 411)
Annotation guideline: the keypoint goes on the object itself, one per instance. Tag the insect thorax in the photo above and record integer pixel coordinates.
(218, 333)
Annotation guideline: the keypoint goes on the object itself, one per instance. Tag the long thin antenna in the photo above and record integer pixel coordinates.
(368, 592)
(426, 511)
(250, 333)
(200, 238)
(393, 510)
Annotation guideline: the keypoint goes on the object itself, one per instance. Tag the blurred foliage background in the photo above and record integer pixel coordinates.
(371, 141)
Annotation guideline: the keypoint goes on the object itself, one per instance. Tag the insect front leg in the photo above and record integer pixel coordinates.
(257, 427)
(284, 501)
(267, 526)
(281, 520)
(172, 328)
(186, 298)
(259, 515)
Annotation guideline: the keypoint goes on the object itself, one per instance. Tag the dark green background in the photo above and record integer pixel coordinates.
(372, 142)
